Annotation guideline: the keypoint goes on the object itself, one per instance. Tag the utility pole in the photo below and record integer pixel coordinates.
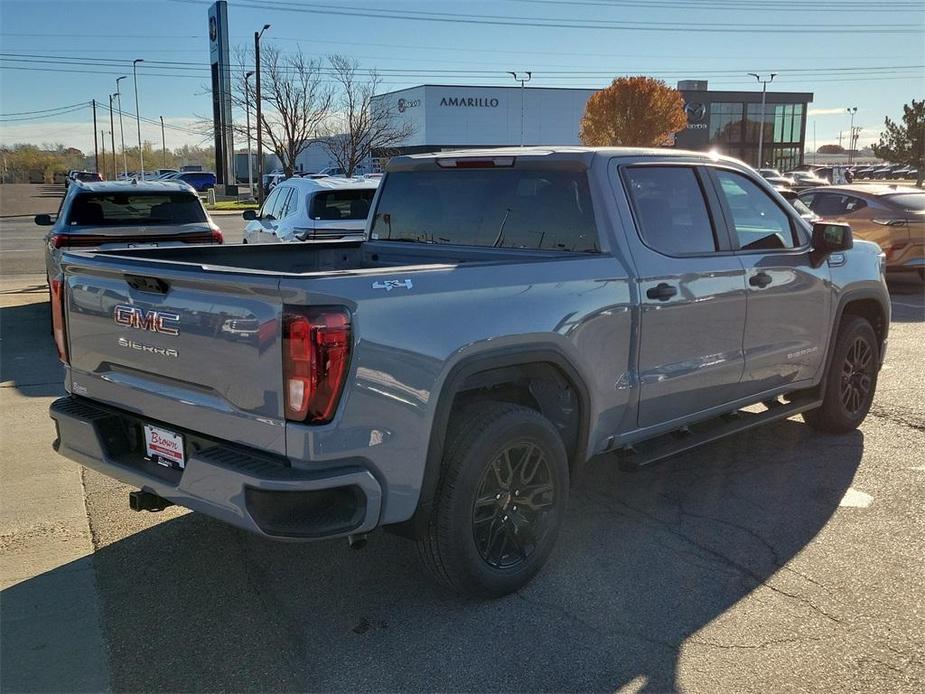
(121, 127)
(247, 110)
(103, 139)
(163, 142)
(112, 136)
(764, 91)
(96, 149)
(257, 35)
(839, 138)
(523, 81)
(141, 152)
(814, 143)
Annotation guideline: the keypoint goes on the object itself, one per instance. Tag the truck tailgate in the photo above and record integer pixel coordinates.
(198, 350)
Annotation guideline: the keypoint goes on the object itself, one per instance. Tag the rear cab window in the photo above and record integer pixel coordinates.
(530, 209)
(341, 204)
(135, 209)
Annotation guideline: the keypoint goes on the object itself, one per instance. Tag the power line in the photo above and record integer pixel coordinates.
(43, 110)
(47, 115)
(560, 23)
(734, 6)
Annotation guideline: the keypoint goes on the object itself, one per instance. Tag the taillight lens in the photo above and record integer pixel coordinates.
(217, 235)
(57, 318)
(316, 352)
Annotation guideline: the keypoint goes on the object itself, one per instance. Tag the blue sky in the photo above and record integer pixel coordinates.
(849, 53)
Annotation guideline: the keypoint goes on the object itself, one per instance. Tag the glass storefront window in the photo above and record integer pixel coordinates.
(725, 123)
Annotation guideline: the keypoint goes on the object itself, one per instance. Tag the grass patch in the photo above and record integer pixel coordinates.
(232, 205)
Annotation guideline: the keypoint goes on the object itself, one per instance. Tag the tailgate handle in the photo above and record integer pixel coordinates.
(154, 285)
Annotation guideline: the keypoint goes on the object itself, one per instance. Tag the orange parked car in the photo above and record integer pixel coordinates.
(891, 216)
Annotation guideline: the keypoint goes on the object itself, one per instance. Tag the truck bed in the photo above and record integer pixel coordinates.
(328, 257)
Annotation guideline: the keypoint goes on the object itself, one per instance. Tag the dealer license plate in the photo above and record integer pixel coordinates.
(164, 447)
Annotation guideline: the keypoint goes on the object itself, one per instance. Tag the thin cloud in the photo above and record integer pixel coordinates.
(827, 111)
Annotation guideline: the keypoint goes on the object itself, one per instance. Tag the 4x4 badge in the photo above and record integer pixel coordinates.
(389, 285)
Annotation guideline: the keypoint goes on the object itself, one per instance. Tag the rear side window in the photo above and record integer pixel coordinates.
(115, 209)
(500, 208)
(670, 209)
(758, 221)
(341, 204)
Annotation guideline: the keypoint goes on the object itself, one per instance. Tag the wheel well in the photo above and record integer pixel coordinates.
(871, 311)
(543, 387)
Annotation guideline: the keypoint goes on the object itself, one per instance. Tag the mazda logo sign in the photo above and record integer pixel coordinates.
(695, 112)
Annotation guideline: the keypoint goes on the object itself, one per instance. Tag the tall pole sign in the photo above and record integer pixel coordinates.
(221, 92)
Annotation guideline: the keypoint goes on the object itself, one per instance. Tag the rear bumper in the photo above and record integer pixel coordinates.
(262, 494)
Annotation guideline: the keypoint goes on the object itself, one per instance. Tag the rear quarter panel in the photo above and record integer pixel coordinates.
(409, 338)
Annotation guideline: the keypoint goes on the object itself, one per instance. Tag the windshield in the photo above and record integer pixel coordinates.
(911, 202)
(501, 208)
(342, 204)
(120, 209)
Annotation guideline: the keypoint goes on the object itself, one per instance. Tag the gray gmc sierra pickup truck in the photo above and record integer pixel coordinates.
(511, 314)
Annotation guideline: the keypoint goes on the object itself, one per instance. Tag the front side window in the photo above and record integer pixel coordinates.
(341, 204)
(494, 207)
(758, 221)
(134, 209)
(670, 209)
(270, 203)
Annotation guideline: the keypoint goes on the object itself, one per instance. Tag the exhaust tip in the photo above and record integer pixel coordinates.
(357, 541)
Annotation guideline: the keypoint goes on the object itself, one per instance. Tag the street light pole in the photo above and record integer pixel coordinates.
(96, 151)
(112, 137)
(163, 143)
(851, 110)
(121, 127)
(257, 35)
(141, 154)
(247, 110)
(103, 141)
(764, 92)
(523, 81)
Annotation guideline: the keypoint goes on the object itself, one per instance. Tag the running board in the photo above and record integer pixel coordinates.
(653, 450)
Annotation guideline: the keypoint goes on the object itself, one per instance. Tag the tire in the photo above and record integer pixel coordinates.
(851, 379)
(492, 450)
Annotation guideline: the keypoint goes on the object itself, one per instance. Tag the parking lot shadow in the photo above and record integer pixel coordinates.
(28, 357)
(645, 561)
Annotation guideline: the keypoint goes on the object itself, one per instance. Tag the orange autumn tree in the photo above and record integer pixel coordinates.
(633, 112)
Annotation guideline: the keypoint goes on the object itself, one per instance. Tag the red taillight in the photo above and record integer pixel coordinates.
(57, 318)
(217, 235)
(316, 351)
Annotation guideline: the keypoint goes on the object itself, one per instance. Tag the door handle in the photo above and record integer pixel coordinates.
(662, 292)
(761, 280)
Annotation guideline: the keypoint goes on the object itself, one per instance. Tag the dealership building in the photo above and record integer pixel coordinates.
(445, 117)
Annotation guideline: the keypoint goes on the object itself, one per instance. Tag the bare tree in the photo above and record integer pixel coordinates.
(358, 124)
(295, 101)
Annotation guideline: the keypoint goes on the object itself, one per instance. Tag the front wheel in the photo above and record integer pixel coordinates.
(851, 379)
(500, 501)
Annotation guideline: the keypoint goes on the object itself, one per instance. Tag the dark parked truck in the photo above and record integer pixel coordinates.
(511, 314)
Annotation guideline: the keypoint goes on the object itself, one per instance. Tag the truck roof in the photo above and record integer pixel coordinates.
(134, 186)
(580, 155)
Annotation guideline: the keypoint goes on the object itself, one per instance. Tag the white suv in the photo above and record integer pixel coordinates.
(306, 209)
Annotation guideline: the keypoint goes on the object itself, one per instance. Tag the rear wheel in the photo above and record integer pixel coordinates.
(851, 379)
(500, 501)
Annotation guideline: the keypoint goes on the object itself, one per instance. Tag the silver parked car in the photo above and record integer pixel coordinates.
(306, 209)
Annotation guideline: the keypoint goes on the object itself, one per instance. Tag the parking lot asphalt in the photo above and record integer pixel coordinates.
(776, 560)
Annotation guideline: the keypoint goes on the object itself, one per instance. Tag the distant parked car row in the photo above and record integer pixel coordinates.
(885, 172)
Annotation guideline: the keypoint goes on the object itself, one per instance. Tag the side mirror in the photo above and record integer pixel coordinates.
(43, 220)
(828, 238)
(249, 215)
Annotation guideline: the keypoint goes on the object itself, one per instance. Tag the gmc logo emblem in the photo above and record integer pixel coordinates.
(153, 321)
